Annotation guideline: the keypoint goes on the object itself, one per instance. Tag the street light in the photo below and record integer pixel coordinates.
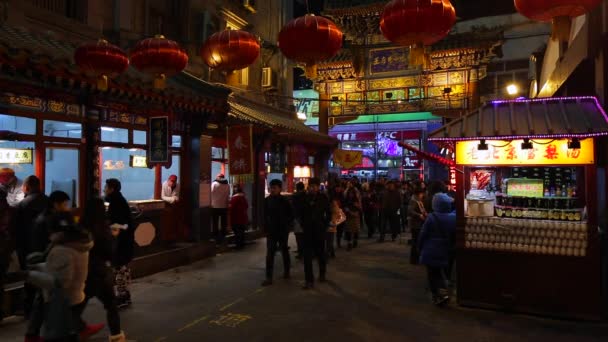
(512, 89)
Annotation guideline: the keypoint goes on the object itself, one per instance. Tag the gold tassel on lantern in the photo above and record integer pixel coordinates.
(311, 71)
(417, 56)
(102, 83)
(160, 81)
(561, 28)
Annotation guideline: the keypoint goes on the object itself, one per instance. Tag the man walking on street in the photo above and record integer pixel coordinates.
(316, 217)
(391, 203)
(220, 198)
(278, 217)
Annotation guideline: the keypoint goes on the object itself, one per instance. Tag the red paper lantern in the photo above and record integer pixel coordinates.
(559, 12)
(309, 40)
(102, 60)
(230, 50)
(417, 23)
(160, 57)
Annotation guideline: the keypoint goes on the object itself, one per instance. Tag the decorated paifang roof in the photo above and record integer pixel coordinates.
(42, 58)
(353, 7)
(543, 118)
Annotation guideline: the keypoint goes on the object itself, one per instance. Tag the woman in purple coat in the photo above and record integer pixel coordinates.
(436, 244)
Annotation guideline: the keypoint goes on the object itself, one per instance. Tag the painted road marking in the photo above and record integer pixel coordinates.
(193, 323)
(231, 304)
(231, 320)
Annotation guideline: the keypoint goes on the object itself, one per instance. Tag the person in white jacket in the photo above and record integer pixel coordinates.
(170, 193)
(220, 198)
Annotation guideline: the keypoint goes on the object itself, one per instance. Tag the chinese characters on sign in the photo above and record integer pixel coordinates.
(277, 158)
(16, 156)
(388, 60)
(525, 187)
(543, 152)
(158, 145)
(138, 162)
(240, 150)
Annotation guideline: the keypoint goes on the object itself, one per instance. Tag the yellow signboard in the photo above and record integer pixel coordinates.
(139, 161)
(16, 156)
(348, 159)
(543, 152)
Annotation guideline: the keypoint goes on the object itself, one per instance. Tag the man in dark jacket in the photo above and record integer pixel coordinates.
(278, 217)
(119, 215)
(7, 224)
(28, 211)
(391, 203)
(28, 238)
(316, 216)
(298, 200)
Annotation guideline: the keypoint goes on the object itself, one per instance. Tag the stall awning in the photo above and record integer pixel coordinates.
(564, 117)
(281, 121)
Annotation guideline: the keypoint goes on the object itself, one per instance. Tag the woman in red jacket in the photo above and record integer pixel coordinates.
(238, 215)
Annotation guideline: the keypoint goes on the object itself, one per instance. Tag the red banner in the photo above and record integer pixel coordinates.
(240, 153)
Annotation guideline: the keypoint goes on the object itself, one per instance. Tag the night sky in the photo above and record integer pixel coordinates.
(466, 9)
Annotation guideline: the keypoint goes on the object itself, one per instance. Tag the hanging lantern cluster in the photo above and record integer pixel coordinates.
(230, 50)
(417, 23)
(559, 12)
(309, 40)
(102, 60)
(159, 57)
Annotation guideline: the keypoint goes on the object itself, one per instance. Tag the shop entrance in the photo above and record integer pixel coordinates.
(62, 172)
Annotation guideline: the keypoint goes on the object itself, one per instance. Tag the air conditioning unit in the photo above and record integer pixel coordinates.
(267, 77)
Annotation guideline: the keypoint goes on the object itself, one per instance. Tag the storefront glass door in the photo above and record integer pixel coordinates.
(62, 172)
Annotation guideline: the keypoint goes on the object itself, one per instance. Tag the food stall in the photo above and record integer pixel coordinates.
(529, 206)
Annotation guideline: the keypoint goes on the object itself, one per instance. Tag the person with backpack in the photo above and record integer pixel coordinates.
(62, 279)
(436, 244)
(121, 223)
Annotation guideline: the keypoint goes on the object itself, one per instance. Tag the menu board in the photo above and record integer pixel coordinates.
(524, 187)
(158, 143)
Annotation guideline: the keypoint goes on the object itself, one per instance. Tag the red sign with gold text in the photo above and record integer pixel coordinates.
(240, 152)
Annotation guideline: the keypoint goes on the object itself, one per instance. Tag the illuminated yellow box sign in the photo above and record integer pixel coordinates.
(544, 152)
(523, 187)
(138, 161)
(16, 156)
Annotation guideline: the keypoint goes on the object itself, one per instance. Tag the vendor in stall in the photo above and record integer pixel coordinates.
(170, 193)
(13, 186)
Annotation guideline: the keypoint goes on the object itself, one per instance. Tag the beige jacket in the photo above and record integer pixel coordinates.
(68, 263)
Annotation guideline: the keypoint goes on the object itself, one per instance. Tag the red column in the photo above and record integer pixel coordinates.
(158, 182)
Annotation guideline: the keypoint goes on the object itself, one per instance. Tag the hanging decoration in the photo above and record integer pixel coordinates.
(240, 152)
(559, 12)
(102, 60)
(417, 23)
(348, 159)
(159, 57)
(309, 40)
(230, 50)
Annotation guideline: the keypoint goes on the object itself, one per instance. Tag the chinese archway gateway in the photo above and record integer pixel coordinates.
(528, 205)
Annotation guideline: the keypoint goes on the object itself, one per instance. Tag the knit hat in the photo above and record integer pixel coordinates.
(6, 175)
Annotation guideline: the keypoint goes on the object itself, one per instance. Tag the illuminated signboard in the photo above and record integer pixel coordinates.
(543, 152)
(452, 175)
(522, 187)
(138, 161)
(16, 156)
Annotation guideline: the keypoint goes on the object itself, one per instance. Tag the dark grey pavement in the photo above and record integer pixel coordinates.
(373, 294)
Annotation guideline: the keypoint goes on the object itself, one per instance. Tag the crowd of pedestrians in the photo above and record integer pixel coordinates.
(65, 261)
(323, 219)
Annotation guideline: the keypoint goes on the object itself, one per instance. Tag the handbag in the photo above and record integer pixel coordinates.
(58, 318)
(341, 217)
